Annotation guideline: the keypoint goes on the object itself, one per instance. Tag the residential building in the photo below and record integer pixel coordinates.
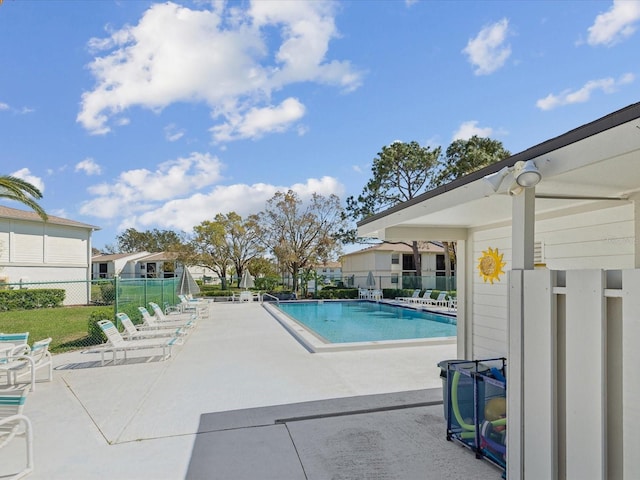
(143, 265)
(393, 266)
(32, 251)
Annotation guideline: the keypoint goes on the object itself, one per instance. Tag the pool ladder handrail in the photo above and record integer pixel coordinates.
(269, 295)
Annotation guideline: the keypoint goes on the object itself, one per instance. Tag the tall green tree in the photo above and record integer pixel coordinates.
(209, 248)
(243, 239)
(300, 234)
(466, 156)
(14, 188)
(131, 241)
(400, 172)
(463, 157)
(403, 171)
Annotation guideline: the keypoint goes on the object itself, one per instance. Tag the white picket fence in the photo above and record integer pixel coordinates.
(574, 375)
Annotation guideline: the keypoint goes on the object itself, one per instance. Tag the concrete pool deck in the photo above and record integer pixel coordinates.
(242, 399)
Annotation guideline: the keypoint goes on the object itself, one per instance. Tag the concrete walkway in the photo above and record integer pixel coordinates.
(242, 399)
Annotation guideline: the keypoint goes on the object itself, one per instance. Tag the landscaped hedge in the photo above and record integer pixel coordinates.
(96, 335)
(335, 293)
(29, 299)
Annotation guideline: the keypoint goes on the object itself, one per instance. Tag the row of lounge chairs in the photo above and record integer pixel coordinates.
(159, 331)
(442, 300)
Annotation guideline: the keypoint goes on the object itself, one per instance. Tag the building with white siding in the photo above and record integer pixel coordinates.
(549, 277)
(391, 263)
(32, 250)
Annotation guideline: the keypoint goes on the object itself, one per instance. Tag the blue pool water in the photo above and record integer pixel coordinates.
(342, 322)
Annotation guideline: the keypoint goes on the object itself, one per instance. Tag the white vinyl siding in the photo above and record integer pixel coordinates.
(600, 239)
(27, 243)
(66, 246)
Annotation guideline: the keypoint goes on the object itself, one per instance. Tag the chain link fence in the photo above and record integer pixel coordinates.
(67, 311)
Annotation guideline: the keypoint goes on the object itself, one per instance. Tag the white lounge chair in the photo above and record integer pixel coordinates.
(24, 359)
(152, 321)
(162, 319)
(116, 343)
(415, 294)
(188, 304)
(441, 301)
(132, 332)
(426, 297)
(453, 303)
(14, 423)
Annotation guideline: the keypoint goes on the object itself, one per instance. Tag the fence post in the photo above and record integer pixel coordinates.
(116, 297)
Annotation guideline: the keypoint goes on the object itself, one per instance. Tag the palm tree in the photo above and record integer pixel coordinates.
(20, 190)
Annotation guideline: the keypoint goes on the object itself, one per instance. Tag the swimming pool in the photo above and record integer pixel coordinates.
(363, 323)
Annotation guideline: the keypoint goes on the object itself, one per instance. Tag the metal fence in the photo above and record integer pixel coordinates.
(114, 291)
(55, 313)
(407, 282)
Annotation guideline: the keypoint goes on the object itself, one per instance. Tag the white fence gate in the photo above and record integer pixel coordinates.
(574, 374)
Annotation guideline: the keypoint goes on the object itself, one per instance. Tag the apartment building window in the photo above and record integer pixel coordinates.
(395, 259)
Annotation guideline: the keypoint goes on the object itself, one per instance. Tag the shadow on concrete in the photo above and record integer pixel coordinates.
(389, 436)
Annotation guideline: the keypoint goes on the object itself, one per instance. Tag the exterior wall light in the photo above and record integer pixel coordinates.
(527, 174)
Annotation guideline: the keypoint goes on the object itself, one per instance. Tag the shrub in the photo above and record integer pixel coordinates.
(94, 331)
(29, 299)
(337, 293)
(107, 292)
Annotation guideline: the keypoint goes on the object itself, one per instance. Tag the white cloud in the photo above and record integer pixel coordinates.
(470, 128)
(258, 121)
(19, 111)
(184, 213)
(615, 25)
(568, 97)
(488, 52)
(141, 189)
(229, 58)
(25, 174)
(172, 133)
(88, 166)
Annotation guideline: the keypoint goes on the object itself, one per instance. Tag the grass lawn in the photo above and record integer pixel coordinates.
(67, 326)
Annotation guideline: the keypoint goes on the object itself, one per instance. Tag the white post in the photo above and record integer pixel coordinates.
(630, 378)
(586, 381)
(522, 240)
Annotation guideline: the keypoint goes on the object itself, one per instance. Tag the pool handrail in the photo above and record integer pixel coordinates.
(269, 295)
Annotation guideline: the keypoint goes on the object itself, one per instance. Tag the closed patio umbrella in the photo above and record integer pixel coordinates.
(187, 285)
(246, 281)
(371, 281)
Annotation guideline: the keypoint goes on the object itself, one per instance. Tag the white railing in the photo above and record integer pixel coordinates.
(574, 374)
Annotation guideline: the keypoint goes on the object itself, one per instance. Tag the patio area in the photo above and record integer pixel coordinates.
(242, 399)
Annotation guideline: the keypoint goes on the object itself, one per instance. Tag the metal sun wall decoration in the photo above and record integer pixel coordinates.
(490, 265)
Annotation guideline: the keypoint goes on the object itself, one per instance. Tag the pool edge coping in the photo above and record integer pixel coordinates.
(314, 344)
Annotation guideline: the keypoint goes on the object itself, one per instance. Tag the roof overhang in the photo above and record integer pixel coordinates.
(592, 167)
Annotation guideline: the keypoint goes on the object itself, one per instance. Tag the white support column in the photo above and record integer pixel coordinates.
(522, 240)
(515, 377)
(523, 229)
(464, 307)
(630, 378)
(586, 382)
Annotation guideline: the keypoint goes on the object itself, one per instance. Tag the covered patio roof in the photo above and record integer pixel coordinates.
(591, 167)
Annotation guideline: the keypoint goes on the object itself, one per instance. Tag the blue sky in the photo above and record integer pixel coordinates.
(136, 114)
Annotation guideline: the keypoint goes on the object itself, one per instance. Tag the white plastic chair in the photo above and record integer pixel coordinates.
(14, 423)
(24, 359)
